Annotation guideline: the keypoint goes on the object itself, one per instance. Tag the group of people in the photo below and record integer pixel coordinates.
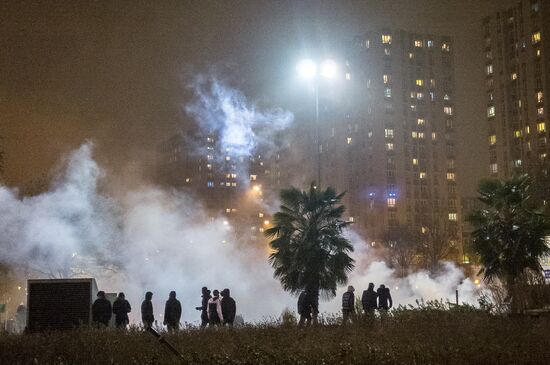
(370, 301)
(215, 310)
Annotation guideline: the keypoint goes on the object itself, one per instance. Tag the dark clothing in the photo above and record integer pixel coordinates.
(304, 308)
(147, 316)
(384, 298)
(121, 308)
(101, 311)
(172, 313)
(369, 300)
(229, 309)
(204, 309)
(215, 315)
(348, 301)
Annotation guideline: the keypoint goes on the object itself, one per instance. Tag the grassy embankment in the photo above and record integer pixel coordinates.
(425, 335)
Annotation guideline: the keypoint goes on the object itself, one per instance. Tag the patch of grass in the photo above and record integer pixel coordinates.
(433, 333)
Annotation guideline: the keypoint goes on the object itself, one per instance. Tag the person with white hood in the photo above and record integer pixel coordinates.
(215, 316)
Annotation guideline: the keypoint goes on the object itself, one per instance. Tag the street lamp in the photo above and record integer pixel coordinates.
(311, 70)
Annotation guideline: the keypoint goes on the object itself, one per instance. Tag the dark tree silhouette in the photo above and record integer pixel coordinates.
(309, 250)
(401, 248)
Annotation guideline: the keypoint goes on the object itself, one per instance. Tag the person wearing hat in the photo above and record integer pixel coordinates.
(101, 310)
(348, 304)
(147, 316)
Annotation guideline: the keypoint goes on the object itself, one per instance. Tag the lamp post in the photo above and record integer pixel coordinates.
(311, 70)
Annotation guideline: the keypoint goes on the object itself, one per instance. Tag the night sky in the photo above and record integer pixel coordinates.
(115, 71)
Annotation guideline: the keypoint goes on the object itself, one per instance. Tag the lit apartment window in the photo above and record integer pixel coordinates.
(430, 43)
(451, 176)
(209, 157)
(414, 134)
(233, 184)
(209, 166)
(260, 215)
(539, 97)
(228, 210)
(227, 183)
(542, 156)
(445, 47)
(386, 38)
(419, 43)
(491, 111)
(228, 175)
(492, 139)
(450, 164)
(413, 108)
(387, 51)
(386, 79)
(348, 140)
(420, 121)
(388, 133)
(434, 136)
(210, 184)
(540, 111)
(234, 176)
(541, 127)
(517, 163)
(493, 168)
(535, 38)
(452, 217)
(253, 177)
(419, 82)
(420, 96)
(448, 110)
(527, 130)
(389, 146)
(489, 69)
(415, 161)
(387, 92)
(421, 135)
(413, 95)
(188, 180)
(538, 53)
(367, 43)
(422, 175)
(517, 134)
(411, 55)
(348, 76)
(391, 202)
(514, 76)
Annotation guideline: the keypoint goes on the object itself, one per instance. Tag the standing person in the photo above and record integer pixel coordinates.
(348, 304)
(229, 307)
(147, 316)
(384, 298)
(304, 309)
(368, 299)
(101, 309)
(215, 315)
(121, 308)
(172, 312)
(204, 306)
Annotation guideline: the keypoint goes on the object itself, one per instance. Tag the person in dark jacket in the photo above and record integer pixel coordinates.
(204, 306)
(348, 304)
(229, 307)
(369, 300)
(384, 298)
(101, 310)
(121, 308)
(215, 315)
(172, 312)
(304, 309)
(147, 316)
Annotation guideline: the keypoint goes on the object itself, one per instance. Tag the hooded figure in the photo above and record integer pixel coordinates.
(101, 309)
(229, 307)
(121, 308)
(384, 298)
(172, 312)
(348, 304)
(147, 316)
(369, 299)
(304, 308)
(215, 315)
(204, 306)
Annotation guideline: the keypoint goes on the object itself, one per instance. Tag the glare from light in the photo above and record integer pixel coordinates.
(256, 188)
(307, 69)
(329, 69)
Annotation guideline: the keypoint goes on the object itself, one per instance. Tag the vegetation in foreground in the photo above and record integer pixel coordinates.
(428, 334)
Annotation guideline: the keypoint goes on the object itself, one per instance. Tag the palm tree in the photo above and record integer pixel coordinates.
(508, 237)
(309, 250)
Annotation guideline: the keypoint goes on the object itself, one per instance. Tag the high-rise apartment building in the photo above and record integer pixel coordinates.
(393, 150)
(517, 69)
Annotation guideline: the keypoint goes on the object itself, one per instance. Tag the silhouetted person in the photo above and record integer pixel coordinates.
(229, 307)
(304, 309)
(384, 298)
(101, 309)
(21, 318)
(368, 299)
(215, 315)
(348, 304)
(204, 306)
(147, 316)
(172, 312)
(121, 308)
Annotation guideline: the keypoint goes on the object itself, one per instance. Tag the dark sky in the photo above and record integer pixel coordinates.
(114, 71)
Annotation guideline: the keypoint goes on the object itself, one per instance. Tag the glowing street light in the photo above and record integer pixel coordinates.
(307, 69)
(329, 68)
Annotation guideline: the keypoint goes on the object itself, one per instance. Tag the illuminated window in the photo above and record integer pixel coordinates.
(420, 121)
(451, 164)
(209, 157)
(420, 96)
(514, 76)
(540, 111)
(535, 38)
(420, 82)
(517, 163)
(387, 51)
(387, 92)
(445, 47)
(452, 217)
(542, 156)
(517, 134)
(188, 180)
(260, 215)
(210, 184)
(419, 43)
(541, 127)
(253, 177)
(493, 168)
(492, 139)
(228, 210)
(489, 69)
(430, 43)
(351, 219)
(422, 175)
(209, 166)
(391, 202)
(348, 140)
(421, 135)
(451, 176)
(491, 111)
(414, 134)
(227, 183)
(233, 184)
(411, 55)
(434, 136)
(386, 38)
(388, 133)
(539, 97)
(348, 76)
(415, 161)
(448, 110)
(389, 146)
(233, 176)
(538, 53)
(424, 229)
(527, 130)
(386, 79)
(413, 95)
